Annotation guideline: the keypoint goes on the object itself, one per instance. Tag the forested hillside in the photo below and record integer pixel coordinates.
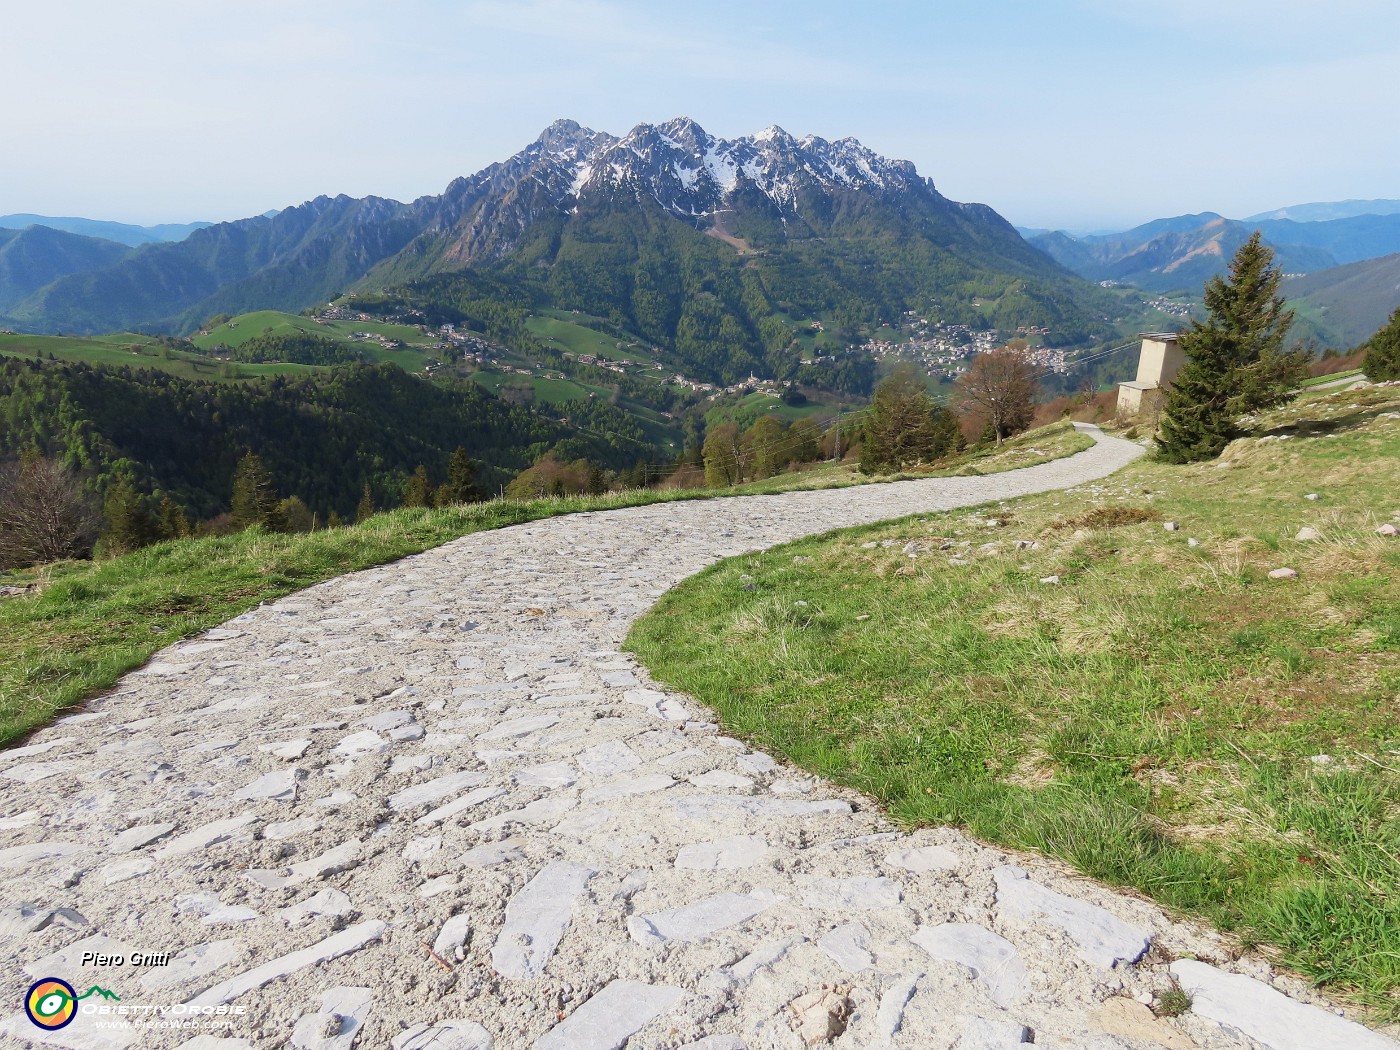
(322, 435)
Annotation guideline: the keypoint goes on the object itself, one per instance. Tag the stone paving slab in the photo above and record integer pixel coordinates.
(432, 805)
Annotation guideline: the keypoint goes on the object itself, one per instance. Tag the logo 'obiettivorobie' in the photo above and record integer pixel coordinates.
(52, 1002)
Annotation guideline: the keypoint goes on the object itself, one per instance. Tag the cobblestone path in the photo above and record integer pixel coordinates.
(431, 805)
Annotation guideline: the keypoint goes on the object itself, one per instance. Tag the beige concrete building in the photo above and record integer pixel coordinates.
(1159, 360)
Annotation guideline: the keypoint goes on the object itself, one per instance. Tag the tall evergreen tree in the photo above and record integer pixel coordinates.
(366, 509)
(461, 480)
(174, 523)
(417, 489)
(254, 500)
(904, 426)
(129, 523)
(1383, 352)
(1235, 361)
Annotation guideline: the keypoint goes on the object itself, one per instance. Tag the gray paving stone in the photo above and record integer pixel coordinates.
(849, 947)
(432, 790)
(719, 778)
(536, 919)
(611, 1017)
(495, 853)
(277, 786)
(69, 960)
(1103, 938)
(33, 772)
(333, 947)
(1267, 1015)
(993, 960)
(925, 858)
(982, 1033)
(542, 811)
(453, 935)
(211, 834)
(459, 805)
(135, 838)
(328, 903)
(889, 1015)
(519, 727)
(192, 963)
(608, 759)
(336, 1025)
(739, 851)
(634, 786)
(459, 1034)
(548, 775)
(700, 920)
(861, 893)
(764, 957)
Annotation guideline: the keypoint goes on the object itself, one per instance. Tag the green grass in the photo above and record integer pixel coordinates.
(90, 622)
(126, 350)
(1151, 718)
(556, 328)
(412, 357)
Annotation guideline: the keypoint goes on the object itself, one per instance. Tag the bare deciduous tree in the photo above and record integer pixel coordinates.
(1000, 387)
(44, 514)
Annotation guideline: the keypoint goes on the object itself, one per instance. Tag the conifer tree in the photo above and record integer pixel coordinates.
(129, 524)
(254, 501)
(1235, 361)
(904, 426)
(174, 524)
(366, 509)
(417, 489)
(1383, 352)
(461, 480)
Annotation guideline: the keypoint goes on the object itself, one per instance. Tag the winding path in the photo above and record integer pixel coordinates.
(431, 805)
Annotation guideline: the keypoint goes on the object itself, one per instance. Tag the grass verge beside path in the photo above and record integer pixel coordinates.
(1147, 705)
(93, 621)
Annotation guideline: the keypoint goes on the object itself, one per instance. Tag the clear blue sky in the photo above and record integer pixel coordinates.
(1070, 113)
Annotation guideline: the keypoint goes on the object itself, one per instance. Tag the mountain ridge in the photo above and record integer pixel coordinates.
(584, 219)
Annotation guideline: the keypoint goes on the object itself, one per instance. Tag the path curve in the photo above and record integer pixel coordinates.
(430, 804)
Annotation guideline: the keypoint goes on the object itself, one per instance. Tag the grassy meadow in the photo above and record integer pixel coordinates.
(1063, 673)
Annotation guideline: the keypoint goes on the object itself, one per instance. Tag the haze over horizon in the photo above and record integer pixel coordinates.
(1099, 114)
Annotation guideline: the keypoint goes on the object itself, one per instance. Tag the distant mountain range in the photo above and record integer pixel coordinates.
(122, 233)
(1182, 252)
(1323, 211)
(707, 245)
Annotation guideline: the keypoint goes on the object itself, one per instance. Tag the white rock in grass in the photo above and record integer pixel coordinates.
(1283, 574)
(1171, 526)
(1307, 534)
(1266, 1015)
(1388, 530)
(1103, 938)
(1049, 579)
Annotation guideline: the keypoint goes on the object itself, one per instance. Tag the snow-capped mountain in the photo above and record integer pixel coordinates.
(690, 172)
(609, 224)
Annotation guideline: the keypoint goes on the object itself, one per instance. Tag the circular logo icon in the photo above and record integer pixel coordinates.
(51, 1003)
